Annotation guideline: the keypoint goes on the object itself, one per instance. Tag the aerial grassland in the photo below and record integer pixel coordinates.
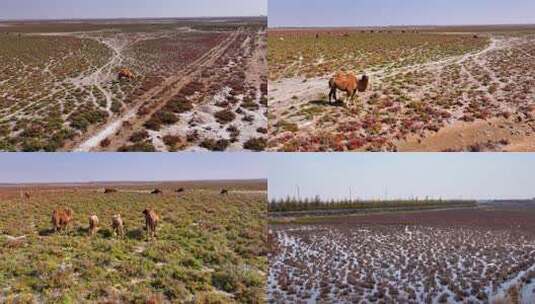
(209, 247)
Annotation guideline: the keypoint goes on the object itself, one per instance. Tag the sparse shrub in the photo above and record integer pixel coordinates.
(225, 116)
(139, 136)
(171, 140)
(159, 118)
(145, 146)
(255, 144)
(179, 106)
(234, 132)
(213, 145)
(105, 143)
(116, 106)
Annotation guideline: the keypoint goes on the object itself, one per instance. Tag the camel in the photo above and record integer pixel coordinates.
(117, 225)
(61, 217)
(151, 222)
(348, 83)
(224, 192)
(93, 225)
(157, 191)
(125, 73)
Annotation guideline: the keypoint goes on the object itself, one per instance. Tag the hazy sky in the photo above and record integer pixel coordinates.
(371, 175)
(82, 167)
(80, 9)
(398, 12)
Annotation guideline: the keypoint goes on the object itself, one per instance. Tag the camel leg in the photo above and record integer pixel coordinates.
(348, 98)
(332, 93)
(353, 97)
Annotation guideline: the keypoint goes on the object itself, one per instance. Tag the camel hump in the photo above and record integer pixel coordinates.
(344, 76)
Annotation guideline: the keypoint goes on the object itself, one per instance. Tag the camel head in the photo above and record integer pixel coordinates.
(363, 83)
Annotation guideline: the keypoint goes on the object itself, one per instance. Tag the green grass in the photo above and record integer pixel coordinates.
(210, 248)
(297, 53)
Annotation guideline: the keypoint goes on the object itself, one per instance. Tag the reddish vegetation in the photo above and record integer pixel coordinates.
(477, 255)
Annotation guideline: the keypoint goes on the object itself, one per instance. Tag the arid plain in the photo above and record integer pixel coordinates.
(133, 85)
(454, 88)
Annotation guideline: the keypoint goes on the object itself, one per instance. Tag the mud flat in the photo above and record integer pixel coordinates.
(477, 255)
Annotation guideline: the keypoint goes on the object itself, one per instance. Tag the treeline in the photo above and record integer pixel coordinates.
(291, 204)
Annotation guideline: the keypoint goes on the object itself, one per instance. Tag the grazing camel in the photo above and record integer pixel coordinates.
(348, 83)
(151, 221)
(61, 217)
(125, 73)
(224, 192)
(117, 225)
(157, 191)
(93, 225)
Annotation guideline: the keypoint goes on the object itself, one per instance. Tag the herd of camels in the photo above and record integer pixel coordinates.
(63, 216)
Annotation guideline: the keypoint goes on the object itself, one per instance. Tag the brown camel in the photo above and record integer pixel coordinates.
(348, 83)
(151, 222)
(61, 217)
(157, 191)
(125, 73)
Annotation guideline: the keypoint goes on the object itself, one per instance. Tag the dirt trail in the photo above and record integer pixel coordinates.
(167, 89)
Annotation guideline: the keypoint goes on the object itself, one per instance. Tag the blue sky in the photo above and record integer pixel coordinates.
(79, 9)
(83, 167)
(400, 175)
(308, 13)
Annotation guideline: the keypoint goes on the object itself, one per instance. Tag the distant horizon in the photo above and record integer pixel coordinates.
(134, 18)
(402, 26)
(378, 199)
(133, 181)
